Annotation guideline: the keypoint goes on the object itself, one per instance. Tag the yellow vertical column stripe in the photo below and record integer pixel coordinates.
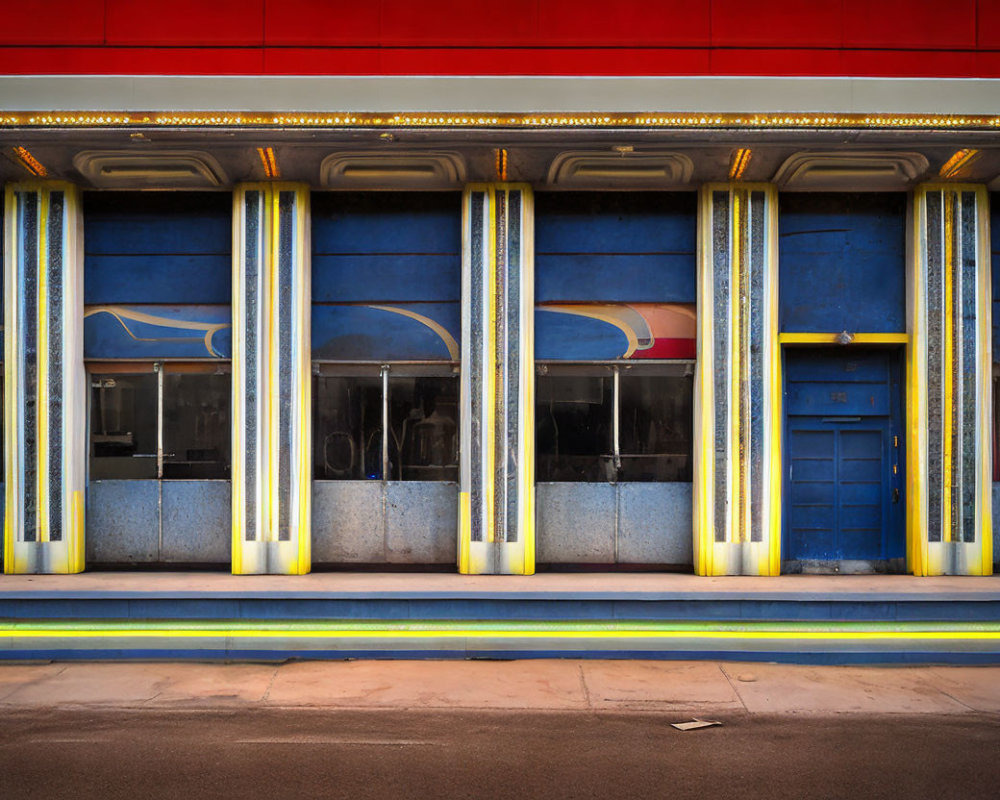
(11, 382)
(705, 367)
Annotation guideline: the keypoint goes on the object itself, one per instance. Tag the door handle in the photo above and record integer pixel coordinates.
(895, 495)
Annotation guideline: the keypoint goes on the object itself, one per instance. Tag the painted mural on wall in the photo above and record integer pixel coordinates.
(604, 331)
(155, 331)
(386, 332)
(563, 331)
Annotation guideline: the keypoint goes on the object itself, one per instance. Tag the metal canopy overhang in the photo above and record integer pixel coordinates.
(529, 151)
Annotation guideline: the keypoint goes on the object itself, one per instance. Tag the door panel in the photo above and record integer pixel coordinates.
(841, 494)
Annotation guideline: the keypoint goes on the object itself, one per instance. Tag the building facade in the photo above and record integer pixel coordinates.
(563, 292)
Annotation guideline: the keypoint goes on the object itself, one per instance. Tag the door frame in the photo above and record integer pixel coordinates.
(895, 344)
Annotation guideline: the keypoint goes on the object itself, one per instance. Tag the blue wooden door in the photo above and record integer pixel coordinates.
(843, 456)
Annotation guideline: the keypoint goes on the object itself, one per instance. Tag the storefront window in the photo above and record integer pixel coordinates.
(609, 423)
(386, 423)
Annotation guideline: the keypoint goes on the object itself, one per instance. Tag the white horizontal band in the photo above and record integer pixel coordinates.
(486, 94)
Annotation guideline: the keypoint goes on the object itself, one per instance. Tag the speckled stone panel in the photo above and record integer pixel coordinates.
(575, 523)
(421, 522)
(122, 522)
(655, 523)
(197, 522)
(347, 524)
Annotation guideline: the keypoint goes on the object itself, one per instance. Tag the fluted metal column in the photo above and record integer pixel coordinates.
(44, 379)
(497, 482)
(737, 451)
(949, 470)
(271, 379)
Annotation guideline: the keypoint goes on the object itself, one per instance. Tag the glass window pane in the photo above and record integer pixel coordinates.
(656, 422)
(423, 417)
(573, 432)
(196, 430)
(122, 426)
(347, 428)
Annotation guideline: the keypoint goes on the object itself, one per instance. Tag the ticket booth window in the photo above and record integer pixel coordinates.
(160, 423)
(614, 423)
(393, 423)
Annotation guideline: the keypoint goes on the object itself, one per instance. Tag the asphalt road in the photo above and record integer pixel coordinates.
(309, 753)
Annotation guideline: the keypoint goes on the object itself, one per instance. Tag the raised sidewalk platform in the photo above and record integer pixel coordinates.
(797, 618)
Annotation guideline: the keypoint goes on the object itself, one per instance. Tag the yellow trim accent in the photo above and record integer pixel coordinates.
(42, 378)
(984, 393)
(831, 338)
(916, 473)
(704, 448)
(526, 392)
(238, 482)
(10, 381)
(77, 532)
(451, 633)
(465, 531)
(303, 309)
(777, 419)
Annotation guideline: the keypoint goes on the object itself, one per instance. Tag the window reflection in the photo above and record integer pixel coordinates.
(123, 422)
(349, 442)
(128, 417)
(656, 421)
(196, 428)
(575, 424)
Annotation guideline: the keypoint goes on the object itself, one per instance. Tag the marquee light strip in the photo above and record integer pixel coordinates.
(93, 119)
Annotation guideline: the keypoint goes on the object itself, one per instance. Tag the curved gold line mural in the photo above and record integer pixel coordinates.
(449, 341)
(122, 314)
(604, 314)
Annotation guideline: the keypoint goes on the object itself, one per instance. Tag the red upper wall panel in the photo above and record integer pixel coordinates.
(988, 25)
(321, 23)
(921, 24)
(884, 38)
(777, 23)
(458, 23)
(33, 22)
(185, 23)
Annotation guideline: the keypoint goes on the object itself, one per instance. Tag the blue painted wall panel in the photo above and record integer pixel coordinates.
(614, 246)
(382, 246)
(387, 277)
(575, 338)
(173, 278)
(398, 250)
(162, 247)
(365, 333)
(842, 262)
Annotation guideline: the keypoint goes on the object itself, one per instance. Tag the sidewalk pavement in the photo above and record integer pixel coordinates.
(683, 689)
